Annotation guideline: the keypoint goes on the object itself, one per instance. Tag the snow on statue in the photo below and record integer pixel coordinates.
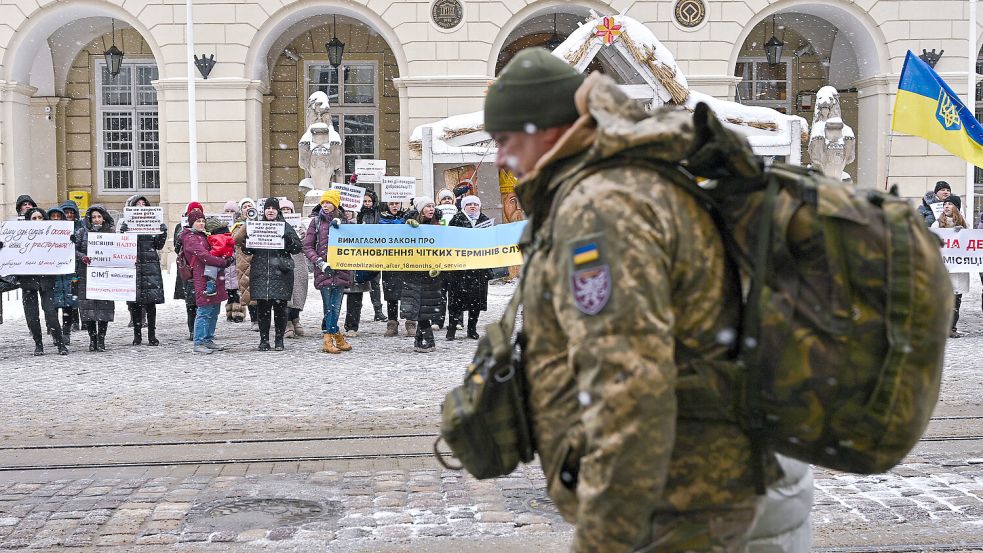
(319, 150)
(832, 144)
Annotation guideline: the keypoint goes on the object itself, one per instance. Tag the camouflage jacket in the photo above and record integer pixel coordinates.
(621, 266)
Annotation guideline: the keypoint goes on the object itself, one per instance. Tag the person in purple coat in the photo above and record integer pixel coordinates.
(329, 282)
(197, 253)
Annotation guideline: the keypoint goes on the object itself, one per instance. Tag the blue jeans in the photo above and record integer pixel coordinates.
(205, 322)
(331, 300)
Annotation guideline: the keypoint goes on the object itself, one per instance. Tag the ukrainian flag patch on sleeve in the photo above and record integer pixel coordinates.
(586, 254)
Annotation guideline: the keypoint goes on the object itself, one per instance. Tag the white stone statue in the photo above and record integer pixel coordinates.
(320, 152)
(832, 144)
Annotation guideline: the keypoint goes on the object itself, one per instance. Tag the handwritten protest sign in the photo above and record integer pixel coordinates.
(143, 219)
(296, 221)
(351, 196)
(370, 170)
(227, 218)
(936, 209)
(447, 212)
(264, 235)
(110, 249)
(398, 189)
(110, 283)
(37, 248)
(429, 247)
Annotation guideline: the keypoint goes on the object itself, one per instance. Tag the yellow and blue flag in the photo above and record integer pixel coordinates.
(927, 107)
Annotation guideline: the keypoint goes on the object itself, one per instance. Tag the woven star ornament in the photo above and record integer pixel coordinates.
(609, 30)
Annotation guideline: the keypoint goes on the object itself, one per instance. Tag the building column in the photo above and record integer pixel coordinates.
(15, 156)
(873, 122)
(47, 144)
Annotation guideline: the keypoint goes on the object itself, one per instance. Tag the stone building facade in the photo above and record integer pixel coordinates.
(66, 125)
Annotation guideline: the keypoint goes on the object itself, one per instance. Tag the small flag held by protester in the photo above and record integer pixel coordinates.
(927, 107)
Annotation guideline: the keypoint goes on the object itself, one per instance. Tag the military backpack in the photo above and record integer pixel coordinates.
(846, 309)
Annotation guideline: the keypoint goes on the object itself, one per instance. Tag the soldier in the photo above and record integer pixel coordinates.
(626, 280)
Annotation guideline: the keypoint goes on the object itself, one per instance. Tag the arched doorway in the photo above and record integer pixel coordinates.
(73, 126)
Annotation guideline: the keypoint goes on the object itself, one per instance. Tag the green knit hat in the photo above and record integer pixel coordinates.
(534, 91)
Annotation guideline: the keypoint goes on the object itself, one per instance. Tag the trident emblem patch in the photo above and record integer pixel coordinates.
(947, 112)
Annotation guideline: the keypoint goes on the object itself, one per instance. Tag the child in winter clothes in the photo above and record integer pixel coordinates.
(222, 245)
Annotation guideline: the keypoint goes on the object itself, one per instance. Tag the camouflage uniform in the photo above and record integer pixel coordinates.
(621, 462)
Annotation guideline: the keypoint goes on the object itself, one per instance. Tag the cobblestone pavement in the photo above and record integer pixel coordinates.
(143, 393)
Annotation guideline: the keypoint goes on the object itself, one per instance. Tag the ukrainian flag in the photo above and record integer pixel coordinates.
(927, 107)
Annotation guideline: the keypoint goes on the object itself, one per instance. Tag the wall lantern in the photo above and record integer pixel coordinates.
(335, 47)
(773, 48)
(114, 56)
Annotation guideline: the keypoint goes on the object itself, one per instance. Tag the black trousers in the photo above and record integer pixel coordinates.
(31, 312)
(375, 293)
(353, 311)
(277, 309)
(137, 311)
(393, 310)
(190, 305)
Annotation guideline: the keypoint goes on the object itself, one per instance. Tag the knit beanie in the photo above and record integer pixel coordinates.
(333, 196)
(231, 205)
(534, 91)
(286, 204)
(942, 184)
(422, 202)
(954, 200)
(271, 202)
(468, 200)
(243, 202)
(445, 193)
(194, 216)
(194, 205)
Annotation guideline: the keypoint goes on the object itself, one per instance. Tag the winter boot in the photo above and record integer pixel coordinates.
(264, 343)
(66, 332)
(289, 332)
(340, 342)
(298, 328)
(392, 328)
(38, 345)
(451, 332)
(103, 327)
(411, 328)
(62, 350)
(137, 335)
(93, 339)
(473, 325)
(379, 315)
(328, 345)
(152, 328)
(428, 341)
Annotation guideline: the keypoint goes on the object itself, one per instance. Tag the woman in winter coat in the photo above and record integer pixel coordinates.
(197, 254)
(271, 277)
(150, 283)
(234, 311)
(952, 218)
(65, 295)
(422, 290)
(184, 289)
(301, 284)
(247, 212)
(369, 215)
(96, 314)
(43, 286)
(392, 281)
(70, 316)
(329, 282)
(467, 290)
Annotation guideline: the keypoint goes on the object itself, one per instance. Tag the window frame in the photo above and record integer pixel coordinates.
(340, 110)
(136, 111)
(753, 61)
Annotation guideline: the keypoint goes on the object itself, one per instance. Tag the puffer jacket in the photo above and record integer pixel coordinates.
(392, 281)
(63, 296)
(302, 278)
(243, 263)
(467, 290)
(150, 283)
(369, 215)
(422, 295)
(271, 272)
(198, 254)
(316, 249)
(92, 310)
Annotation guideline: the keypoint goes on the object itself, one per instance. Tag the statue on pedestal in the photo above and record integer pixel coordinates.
(832, 144)
(320, 151)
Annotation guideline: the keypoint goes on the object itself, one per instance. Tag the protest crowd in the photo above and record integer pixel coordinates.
(259, 258)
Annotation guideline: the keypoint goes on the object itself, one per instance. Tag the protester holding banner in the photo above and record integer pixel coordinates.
(183, 286)
(392, 281)
(301, 283)
(247, 212)
(952, 218)
(65, 296)
(330, 283)
(234, 310)
(467, 290)
(369, 215)
(364, 281)
(423, 290)
(271, 275)
(96, 314)
(150, 283)
(43, 286)
(197, 255)
(933, 200)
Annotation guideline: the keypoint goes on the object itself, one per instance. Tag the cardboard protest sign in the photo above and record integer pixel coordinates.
(296, 221)
(447, 212)
(936, 209)
(370, 170)
(110, 283)
(143, 219)
(398, 189)
(265, 235)
(351, 196)
(37, 248)
(486, 224)
(110, 249)
(227, 218)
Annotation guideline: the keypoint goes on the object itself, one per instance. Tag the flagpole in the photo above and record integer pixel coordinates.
(971, 105)
(192, 115)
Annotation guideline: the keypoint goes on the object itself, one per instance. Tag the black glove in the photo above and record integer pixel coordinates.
(1, 245)
(163, 228)
(73, 239)
(123, 227)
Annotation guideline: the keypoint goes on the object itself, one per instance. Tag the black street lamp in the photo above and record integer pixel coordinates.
(114, 56)
(335, 47)
(773, 48)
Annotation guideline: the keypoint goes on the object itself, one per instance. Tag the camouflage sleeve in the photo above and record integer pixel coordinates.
(613, 255)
